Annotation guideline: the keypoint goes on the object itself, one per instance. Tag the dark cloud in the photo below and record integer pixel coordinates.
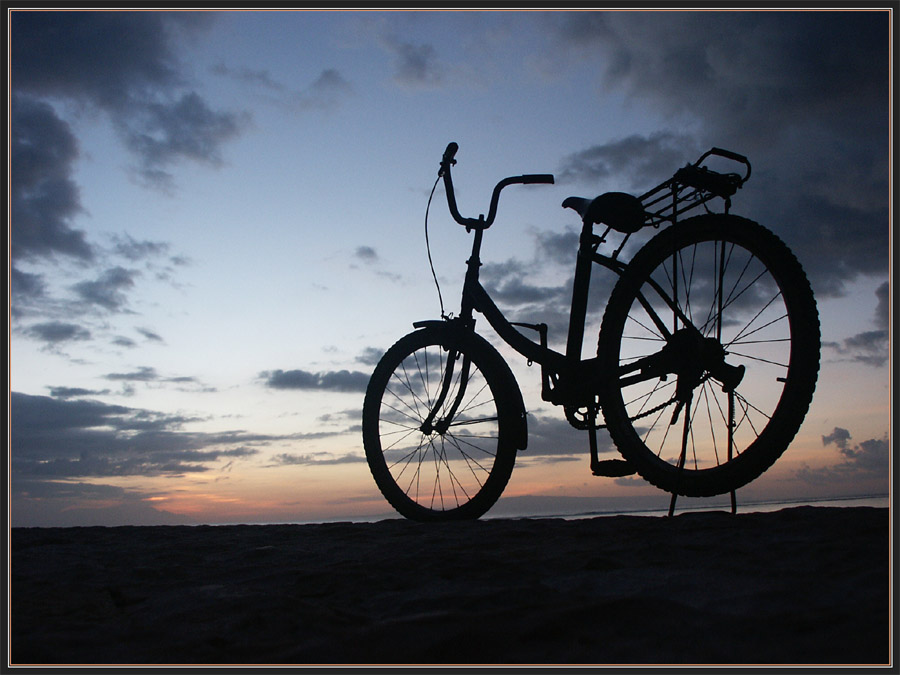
(150, 376)
(869, 459)
(129, 248)
(108, 290)
(340, 380)
(107, 57)
(326, 92)
(149, 335)
(636, 162)
(316, 459)
(366, 253)
(416, 65)
(261, 78)
(553, 436)
(25, 287)
(871, 347)
(508, 284)
(55, 332)
(370, 356)
(883, 309)
(814, 121)
(75, 392)
(123, 63)
(165, 133)
(531, 291)
(558, 247)
(60, 438)
(142, 374)
(72, 503)
(43, 197)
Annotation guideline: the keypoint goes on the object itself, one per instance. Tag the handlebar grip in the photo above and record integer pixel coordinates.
(537, 178)
(728, 154)
(450, 153)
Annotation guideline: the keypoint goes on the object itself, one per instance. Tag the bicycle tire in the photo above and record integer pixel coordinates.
(771, 328)
(460, 473)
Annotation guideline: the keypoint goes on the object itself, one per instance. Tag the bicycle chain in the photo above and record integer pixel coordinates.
(582, 425)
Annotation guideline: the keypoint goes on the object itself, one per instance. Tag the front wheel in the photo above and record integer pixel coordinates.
(440, 424)
(711, 338)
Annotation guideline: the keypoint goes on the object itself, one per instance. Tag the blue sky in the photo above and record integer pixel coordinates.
(216, 226)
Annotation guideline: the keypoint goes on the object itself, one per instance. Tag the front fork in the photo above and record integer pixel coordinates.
(440, 426)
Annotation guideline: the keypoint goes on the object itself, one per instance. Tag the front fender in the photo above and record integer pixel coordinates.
(511, 396)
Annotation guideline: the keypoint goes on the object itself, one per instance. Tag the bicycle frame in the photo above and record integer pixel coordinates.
(556, 367)
(567, 379)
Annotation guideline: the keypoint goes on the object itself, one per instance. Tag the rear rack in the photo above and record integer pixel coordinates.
(692, 186)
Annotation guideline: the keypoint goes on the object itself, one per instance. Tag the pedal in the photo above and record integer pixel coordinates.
(612, 468)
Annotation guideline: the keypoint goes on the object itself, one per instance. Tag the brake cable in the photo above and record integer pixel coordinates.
(428, 249)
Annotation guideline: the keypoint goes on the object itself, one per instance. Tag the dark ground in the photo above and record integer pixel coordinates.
(806, 585)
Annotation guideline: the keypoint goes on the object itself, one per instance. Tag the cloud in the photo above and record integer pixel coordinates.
(108, 290)
(129, 248)
(326, 92)
(72, 503)
(124, 63)
(75, 392)
(883, 308)
(366, 254)
(317, 459)
(149, 335)
(869, 459)
(540, 289)
(58, 438)
(44, 199)
(25, 287)
(142, 374)
(415, 65)
(370, 356)
(871, 347)
(55, 332)
(553, 436)
(149, 375)
(813, 121)
(340, 380)
(260, 78)
(186, 128)
(636, 162)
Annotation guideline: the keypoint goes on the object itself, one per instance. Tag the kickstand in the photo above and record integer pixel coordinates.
(592, 438)
(675, 497)
(684, 451)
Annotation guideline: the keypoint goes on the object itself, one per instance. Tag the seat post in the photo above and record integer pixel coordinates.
(580, 287)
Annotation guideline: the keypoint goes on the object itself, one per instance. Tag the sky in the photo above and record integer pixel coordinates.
(217, 228)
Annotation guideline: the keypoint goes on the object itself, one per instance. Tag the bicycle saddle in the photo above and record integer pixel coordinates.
(621, 211)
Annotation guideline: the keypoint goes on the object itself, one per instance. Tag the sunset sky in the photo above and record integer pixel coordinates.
(217, 227)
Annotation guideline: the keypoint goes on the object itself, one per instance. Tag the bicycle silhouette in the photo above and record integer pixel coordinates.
(706, 363)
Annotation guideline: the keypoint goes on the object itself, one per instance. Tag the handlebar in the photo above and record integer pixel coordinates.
(481, 222)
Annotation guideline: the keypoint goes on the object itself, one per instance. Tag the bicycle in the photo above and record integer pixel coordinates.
(707, 357)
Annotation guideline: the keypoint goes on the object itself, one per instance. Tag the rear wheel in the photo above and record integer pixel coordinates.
(439, 425)
(710, 387)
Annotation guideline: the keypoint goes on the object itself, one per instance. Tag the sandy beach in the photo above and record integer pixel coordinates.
(804, 585)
